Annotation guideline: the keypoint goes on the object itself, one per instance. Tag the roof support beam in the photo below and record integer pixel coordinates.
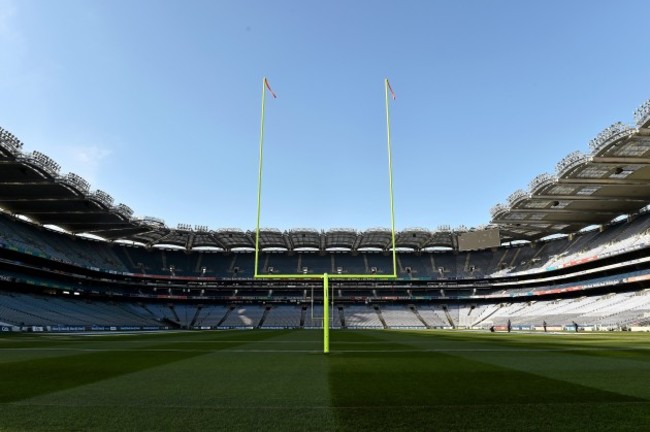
(587, 198)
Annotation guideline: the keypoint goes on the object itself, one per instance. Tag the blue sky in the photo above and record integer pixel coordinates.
(158, 102)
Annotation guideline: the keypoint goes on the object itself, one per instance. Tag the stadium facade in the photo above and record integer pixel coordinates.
(572, 248)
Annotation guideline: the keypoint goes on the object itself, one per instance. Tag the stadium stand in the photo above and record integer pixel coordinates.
(350, 264)
(399, 316)
(283, 316)
(215, 264)
(244, 316)
(360, 317)
(36, 310)
(615, 310)
(618, 238)
(212, 315)
(434, 316)
(280, 263)
(573, 247)
(312, 316)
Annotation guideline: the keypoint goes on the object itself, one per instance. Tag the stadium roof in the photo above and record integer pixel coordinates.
(586, 189)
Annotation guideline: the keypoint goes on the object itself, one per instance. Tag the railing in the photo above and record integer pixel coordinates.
(44, 162)
(517, 196)
(540, 181)
(570, 161)
(10, 143)
(153, 221)
(124, 210)
(611, 134)
(642, 114)
(304, 230)
(499, 209)
(102, 197)
(76, 181)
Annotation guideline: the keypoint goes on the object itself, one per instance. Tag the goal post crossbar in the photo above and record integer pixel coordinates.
(322, 276)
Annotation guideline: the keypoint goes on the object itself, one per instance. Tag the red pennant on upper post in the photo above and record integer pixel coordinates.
(266, 82)
(391, 90)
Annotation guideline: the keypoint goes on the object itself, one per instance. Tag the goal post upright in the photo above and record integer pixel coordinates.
(390, 177)
(259, 180)
(325, 277)
(326, 314)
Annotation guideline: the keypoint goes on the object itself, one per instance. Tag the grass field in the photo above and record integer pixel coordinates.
(280, 381)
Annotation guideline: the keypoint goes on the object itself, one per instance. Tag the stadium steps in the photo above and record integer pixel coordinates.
(137, 315)
(500, 264)
(200, 319)
(299, 265)
(267, 310)
(196, 315)
(144, 306)
(493, 264)
(466, 264)
(303, 312)
(365, 263)
(333, 264)
(417, 314)
(448, 315)
(231, 267)
(225, 316)
(265, 266)
(521, 309)
(434, 269)
(171, 306)
(485, 317)
(342, 316)
(197, 268)
(207, 317)
(171, 323)
(128, 257)
(165, 267)
(514, 258)
(539, 252)
(381, 317)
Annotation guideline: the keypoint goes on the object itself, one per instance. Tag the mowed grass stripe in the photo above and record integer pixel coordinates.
(440, 379)
(217, 391)
(605, 363)
(540, 417)
(372, 380)
(162, 418)
(24, 379)
(434, 390)
(534, 417)
(29, 378)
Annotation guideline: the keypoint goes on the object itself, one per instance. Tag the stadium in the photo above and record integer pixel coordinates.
(567, 256)
(138, 292)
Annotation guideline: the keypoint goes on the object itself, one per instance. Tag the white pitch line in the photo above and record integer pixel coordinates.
(76, 405)
(335, 351)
